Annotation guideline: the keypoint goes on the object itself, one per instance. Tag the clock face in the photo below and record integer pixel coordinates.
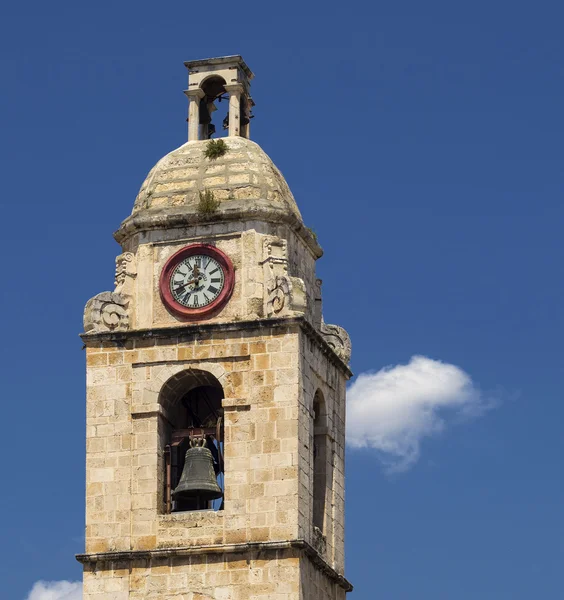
(197, 281)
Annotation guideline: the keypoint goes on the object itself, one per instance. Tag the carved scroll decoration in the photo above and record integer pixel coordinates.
(338, 339)
(106, 312)
(109, 311)
(284, 295)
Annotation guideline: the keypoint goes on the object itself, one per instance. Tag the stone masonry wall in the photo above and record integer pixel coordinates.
(242, 241)
(319, 373)
(315, 585)
(251, 576)
(259, 372)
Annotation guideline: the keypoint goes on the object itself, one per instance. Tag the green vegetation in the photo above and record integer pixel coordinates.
(215, 149)
(207, 205)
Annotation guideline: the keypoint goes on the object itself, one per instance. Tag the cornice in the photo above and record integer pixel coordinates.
(195, 328)
(170, 218)
(99, 560)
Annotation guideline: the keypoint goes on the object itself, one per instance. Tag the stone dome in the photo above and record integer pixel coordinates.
(244, 180)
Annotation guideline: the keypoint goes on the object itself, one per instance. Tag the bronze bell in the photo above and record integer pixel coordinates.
(198, 476)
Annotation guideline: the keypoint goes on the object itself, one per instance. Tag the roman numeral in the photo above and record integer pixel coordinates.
(214, 271)
(216, 279)
(212, 290)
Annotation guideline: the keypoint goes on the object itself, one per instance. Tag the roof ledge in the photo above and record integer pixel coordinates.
(167, 218)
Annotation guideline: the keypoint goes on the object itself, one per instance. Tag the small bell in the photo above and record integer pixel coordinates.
(198, 478)
(205, 117)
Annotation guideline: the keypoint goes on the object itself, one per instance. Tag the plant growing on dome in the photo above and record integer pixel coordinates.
(215, 149)
(208, 203)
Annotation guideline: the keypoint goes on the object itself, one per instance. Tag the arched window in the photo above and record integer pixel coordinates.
(214, 93)
(192, 404)
(215, 107)
(320, 458)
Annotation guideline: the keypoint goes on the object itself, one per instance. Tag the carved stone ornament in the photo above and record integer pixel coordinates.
(284, 295)
(125, 272)
(338, 339)
(317, 304)
(319, 540)
(106, 312)
(275, 252)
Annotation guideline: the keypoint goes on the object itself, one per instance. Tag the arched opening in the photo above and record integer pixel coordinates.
(320, 456)
(214, 107)
(194, 418)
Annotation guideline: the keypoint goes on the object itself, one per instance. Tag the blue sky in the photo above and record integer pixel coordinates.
(423, 143)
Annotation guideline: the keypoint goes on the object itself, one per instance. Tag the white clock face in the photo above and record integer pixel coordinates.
(197, 281)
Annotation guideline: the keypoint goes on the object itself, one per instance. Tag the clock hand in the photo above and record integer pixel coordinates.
(185, 284)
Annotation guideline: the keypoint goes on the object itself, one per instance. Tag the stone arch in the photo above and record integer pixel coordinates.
(179, 384)
(320, 459)
(146, 393)
(190, 402)
(213, 87)
(214, 79)
(320, 412)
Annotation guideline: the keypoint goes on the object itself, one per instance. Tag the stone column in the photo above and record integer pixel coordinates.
(194, 96)
(235, 90)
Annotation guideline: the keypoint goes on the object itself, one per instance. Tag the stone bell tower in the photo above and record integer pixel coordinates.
(214, 337)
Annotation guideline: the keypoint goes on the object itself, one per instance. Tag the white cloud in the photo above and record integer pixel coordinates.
(56, 590)
(391, 411)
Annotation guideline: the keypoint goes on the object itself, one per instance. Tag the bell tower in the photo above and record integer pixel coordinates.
(215, 391)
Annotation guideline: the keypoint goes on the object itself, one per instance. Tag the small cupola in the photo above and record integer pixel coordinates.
(212, 80)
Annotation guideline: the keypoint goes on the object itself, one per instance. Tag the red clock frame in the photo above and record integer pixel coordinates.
(205, 311)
